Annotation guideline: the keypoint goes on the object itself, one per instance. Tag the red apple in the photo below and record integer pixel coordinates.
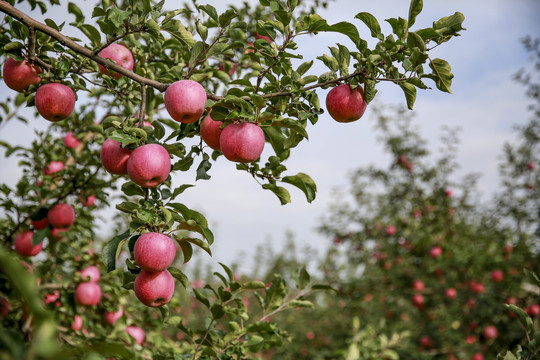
(77, 323)
(57, 233)
(53, 167)
(54, 101)
(242, 142)
(418, 285)
(258, 36)
(435, 252)
(154, 289)
(477, 287)
(477, 356)
(61, 216)
(40, 224)
(497, 275)
(136, 332)
(114, 158)
(451, 293)
(88, 200)
(71, 141)
(154, 251)
(448, 193)
(418, 301)
(425, 341)
(149, 165)
(4, 307)
(50, 298)
(211, 132)
(91, 274)
(23, 244)
(19, 75)
(345, 104)
(112, 316)
(490, 332)
(120, 55)
(185, 100)
(533, 310)
(88, 294)
(531, 165)
(390, 230)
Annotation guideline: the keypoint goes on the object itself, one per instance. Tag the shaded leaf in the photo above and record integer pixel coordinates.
(371, 22)
(112, 249)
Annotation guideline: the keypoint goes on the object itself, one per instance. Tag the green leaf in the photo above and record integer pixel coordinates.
(330, 61)
(211, 11)
(202, 299)
(202, 170)
(305, 183)
(226, 17)
(399, 26)
(187, 250)
(112, 249)
(304, 67)
(180, 189)
(533, 276)
(131, 189)
(522, 316)
(323, 287)
(75, 10)
(282, 193)
(179, 32)
(414, 9)
(303, 278)
(301, 303)
(228, 271)
(200, 243)
(253, 285)
(371, 22)
(164, 310)
(91, 33)
(179, 275)
(442, 74)
(276, 293)
(196, 52)
(217, 311)
(449, 25)
(415, 40)
(39, 235)
(146, 216)
(127, 207)
(13, 46)
(410, 93)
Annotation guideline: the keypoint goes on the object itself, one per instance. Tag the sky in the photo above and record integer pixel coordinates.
(485, 104)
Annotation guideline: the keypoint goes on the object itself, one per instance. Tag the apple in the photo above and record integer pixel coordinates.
(19, 75)
(40, 224)
(451, 293)
(490, 332)
(71, 141)
(185, 100)
(23, 244)
(390, 230)
(114, 158)
(345, 104)
(211, 132)
(4, 307)
(61, 216)
(448, 193)
(418, 285)
(477, 356)
(149, 165)
(50, 298)
(258, 36)
(425, 341)
(54, 101)
(53, 167)
(57, 233)
(88, 200)
(91, 274)
(112, 316)
(418, 301)
(154, 251)
(497, 275)
(77, 323)
(154, 289)
(120, 55)
(533, 310)
(88, 294)
(531, 165)
(477, 287)
(135, 332)
(242, 142)
(435, 252)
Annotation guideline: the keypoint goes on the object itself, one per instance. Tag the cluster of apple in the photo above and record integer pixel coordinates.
(88, 292)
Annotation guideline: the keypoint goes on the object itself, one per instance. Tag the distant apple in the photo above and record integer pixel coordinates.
(40, 224)
(418, 301)
(531, 166)
(90, 273)
(149, 165)
(478, 356)
(58, 233)
(53, 167)
(435, 252)
(242, 142)
(54, 101)
(448, 193)
(77, 323)
(258, 36)
(112, 316)
(390, 230)
(477, 287)
(425, 341)
(185, 101)
(533, 310)
(451, 293)
(19, 75)
(418, 285)
(154, 289)
(154, 251)
(497, 275)
(23, 244)
(120, 55)
(136, 332)
(88, 294)
(88, 200)
(211, 132)
(221, 67)
(114, 158)
(61, 216)
(490, 332)
(71, 141)
(345, 104)
(5, 306)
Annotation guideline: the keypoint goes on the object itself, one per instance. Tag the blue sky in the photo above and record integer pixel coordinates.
(485, 104)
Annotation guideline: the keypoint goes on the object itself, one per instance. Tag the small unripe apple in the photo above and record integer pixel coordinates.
(136, 332)
(120, 55)
(185, 100)
(154, 251)
(112, 316)
(435, 252)
(154, 289)
(91, 274)
(211, 132)
(53, 167)
(61, 216)
(23, 244)
(451, 293)
(114, 158)
(149, 165)
(88, 294)
(242, 142)
(77, 323)
(418, 285)
(71, 141)
(54, 101)
(490, 332)
(345, 104)
(88, 200)
(19, 75)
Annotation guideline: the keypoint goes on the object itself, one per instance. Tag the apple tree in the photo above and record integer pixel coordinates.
(135, 94)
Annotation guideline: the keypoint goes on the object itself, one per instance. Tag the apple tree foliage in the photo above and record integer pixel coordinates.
(247, 79)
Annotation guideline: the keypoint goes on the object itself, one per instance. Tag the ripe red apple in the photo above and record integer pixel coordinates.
(425, 342)
(61, 216)
(258, 36)
(242, 142)
(77, 323)
(531, 165)
(477, 356)
(185, 100)
(91, 274)
(448, 193)
(390, 230)
(71, 141)
(136, 332)
(211, 132)
(120, 55)
(54, 101)
(490, 332)
(533, 310)
(154, 251)
(345, 104)
(19, 75)
(50, 298)
(4, 307)
(418, 285)
(58, 233)
(40, 224)
(149, 165)
(114, 158)
(477, 287)
(53, 167)
(88, 294)
(88, 200)
(23, 244)
(451, 293)
(497, 275)
(418, 301)
(435, 252)
(154, 289)
(112, 316)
